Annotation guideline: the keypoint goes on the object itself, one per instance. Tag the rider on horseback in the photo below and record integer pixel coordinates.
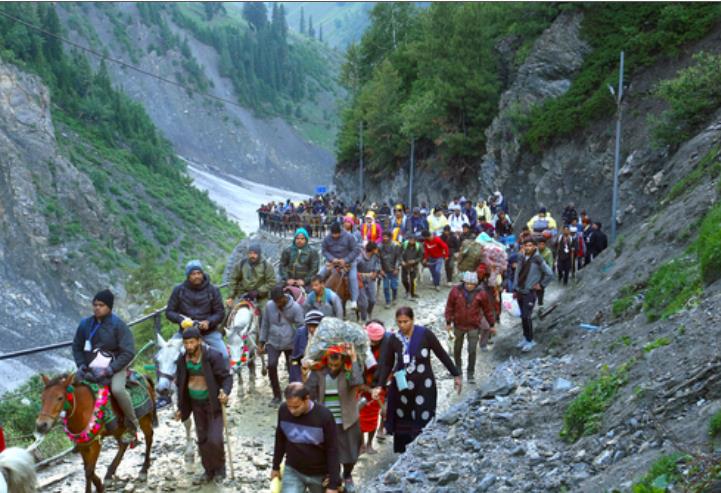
(253, 277)
(197, 300)
(341, 251)
(103, 348)
(299, 262)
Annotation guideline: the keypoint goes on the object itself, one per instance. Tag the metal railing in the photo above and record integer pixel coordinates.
(317, 225)
(157, 325)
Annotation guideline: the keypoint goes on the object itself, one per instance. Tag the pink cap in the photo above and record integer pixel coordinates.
(375, 331)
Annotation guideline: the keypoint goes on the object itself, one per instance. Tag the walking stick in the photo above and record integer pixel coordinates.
(227, 442)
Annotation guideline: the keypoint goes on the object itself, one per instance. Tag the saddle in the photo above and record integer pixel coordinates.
(137, 386)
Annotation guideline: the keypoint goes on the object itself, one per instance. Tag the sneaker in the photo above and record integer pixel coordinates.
(353, 305)
(437, 288)
(521, 343)
(387, 306)
(528, 346)
(349, 486)
(471, 379)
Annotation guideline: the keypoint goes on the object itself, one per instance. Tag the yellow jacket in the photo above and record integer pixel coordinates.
(551, 223)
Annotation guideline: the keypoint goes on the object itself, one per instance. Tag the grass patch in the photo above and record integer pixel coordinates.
(660, 342)
(583, 416)
(618, 246)
(709, 167)
(671, 287)
(714, 425)
(626, 299)
(624, 340)
(660, 475)
(709, 246)
(18, 410)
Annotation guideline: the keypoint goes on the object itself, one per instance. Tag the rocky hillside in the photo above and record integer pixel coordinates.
(552, 137)
(284, 143)
(93, 196)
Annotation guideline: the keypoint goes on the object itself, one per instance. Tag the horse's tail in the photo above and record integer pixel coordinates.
(151, 391)
(18, 466)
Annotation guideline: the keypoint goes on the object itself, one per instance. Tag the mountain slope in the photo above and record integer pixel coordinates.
(235, 139)
(92, 197)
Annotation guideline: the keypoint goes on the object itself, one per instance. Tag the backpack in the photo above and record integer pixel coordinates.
(471, 256)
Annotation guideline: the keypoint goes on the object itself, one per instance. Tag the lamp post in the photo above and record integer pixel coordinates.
(617, 158)
(410, 177)
(360, 148)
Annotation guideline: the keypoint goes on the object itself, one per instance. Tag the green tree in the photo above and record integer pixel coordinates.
(256, 14)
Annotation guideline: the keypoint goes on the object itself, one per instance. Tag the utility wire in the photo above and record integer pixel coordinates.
(118, 61)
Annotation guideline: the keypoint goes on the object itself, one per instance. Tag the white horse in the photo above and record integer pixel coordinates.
(17, 471)
(242, 342)
(166, 364)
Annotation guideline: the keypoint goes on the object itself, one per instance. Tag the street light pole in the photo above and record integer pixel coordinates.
(617, 158)
(360, 147)
(410, 177)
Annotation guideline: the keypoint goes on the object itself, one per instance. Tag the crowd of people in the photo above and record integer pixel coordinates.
(338, 403)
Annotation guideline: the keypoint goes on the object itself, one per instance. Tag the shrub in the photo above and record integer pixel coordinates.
(714, 426)
(708, 167)
(671, 287)
(693, 96)
(583, 415)
(709, 246)
(661, 341)
(660, 475)
(625, 300)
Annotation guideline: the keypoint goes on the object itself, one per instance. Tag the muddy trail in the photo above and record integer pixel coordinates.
(251, 421)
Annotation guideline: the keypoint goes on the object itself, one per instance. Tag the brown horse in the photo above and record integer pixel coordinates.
(82, 404)
(339, 283)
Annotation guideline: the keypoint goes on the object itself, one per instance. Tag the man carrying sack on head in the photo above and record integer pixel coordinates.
(204, 384)
(103, 348)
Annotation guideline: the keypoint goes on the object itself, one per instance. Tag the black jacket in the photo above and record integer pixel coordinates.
(112, 336)
(454, 244)
(217, 376)
(198, 303)
(597, 242)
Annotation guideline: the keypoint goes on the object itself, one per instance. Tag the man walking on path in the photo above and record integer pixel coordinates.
(341, 250)
(435, 253)
(467, 308)
(277, 332)
(565, 255)
(454, 244)
(312, 319)
(411, 256)
(204, 384)
(200, 301)
(369, 269)
(306, 437)
(390, 255)
(532, 274)
(547, 255)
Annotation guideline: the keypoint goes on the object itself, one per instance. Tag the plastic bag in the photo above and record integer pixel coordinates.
(510, 304)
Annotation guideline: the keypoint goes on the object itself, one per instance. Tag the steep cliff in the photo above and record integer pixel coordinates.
(43, 283)
(232, 138)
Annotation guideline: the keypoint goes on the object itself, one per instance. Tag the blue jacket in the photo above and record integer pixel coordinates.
(345, 247)
(330, 305)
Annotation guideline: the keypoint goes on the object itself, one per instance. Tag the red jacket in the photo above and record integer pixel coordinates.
(434, 248)
(467, 315)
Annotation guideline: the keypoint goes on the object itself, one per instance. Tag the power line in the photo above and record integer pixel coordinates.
(118, 61)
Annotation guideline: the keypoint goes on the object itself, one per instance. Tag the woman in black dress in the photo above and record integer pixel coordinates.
(412, 392)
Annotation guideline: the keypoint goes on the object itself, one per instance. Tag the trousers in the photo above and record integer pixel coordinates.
(526, 303)
(273, 358)
(122, 397)
(390, 283)
(209, 430)
(473, 335)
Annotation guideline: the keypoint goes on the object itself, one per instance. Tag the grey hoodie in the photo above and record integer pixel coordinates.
(345, 247)
(539, 273)
(278, 327)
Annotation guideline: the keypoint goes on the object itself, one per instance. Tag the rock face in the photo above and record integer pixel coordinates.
(228, 137)
(577, 169)
(41, 284)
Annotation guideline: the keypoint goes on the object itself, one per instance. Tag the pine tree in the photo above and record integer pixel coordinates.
(256, 14)
(302, 21)
(311, 31)
(320, 33)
